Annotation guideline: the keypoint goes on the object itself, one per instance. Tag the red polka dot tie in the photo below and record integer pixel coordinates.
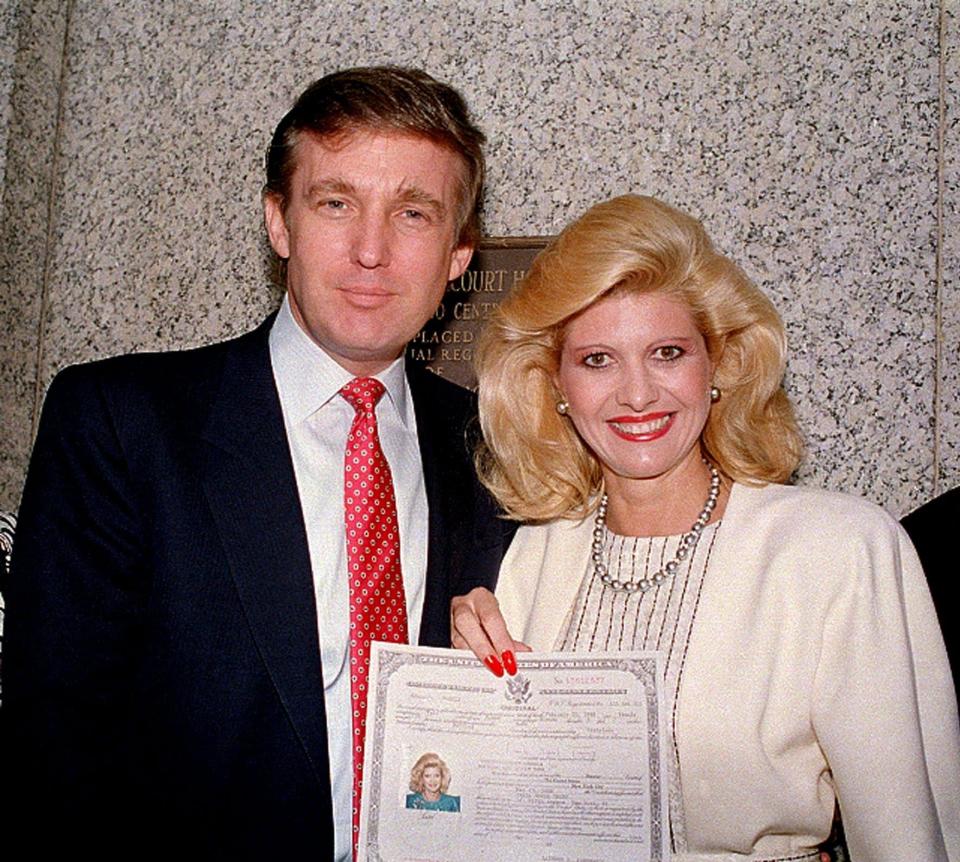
(378, 608)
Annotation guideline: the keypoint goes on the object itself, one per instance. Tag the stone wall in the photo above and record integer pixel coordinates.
(817, 139)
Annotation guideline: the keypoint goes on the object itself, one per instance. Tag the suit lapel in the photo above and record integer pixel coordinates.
(436, 446)
(467, 539)
(250, 485)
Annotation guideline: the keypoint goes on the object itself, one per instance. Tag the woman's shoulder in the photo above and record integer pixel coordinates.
(812, 505)
(799, 535)
(811, 521)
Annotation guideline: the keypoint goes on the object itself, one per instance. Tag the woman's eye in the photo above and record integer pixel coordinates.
(596, 360)
(669, 352)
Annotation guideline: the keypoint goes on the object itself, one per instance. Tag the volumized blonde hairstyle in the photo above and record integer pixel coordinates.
(423, 762)
(532, 458)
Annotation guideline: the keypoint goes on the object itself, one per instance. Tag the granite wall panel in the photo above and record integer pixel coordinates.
(36, 39)
(806, 134)
(9, 10)
(947, 417)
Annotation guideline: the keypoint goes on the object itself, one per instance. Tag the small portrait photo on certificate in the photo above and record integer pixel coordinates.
(429, 783)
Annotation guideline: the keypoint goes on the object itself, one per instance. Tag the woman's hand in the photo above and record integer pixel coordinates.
(477, 624)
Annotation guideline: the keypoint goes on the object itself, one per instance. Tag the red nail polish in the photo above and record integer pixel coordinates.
(492, 662)
(509, 662)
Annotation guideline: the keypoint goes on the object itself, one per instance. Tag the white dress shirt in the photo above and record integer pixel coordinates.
(317, 420)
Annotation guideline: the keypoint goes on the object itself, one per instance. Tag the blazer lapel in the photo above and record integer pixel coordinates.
(250, 485)
(536, 589)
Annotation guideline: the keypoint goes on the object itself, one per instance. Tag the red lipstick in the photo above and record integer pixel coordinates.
(626, 427)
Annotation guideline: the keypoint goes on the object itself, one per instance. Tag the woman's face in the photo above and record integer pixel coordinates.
(431, 779)
(635, 370)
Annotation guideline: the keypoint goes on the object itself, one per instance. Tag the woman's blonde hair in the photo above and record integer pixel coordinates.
(532, 458)
(423, 762)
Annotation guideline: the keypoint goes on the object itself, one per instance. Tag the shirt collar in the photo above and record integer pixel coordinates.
(308, 377)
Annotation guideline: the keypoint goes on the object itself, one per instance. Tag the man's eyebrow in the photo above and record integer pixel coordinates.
(416, 195)
(405, 194)
(332, 185)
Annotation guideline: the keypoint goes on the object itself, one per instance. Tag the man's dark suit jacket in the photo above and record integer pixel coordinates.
(931, 529)
(162, 675)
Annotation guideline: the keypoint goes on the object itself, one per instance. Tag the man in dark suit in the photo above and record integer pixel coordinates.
(177, 656)
(929, 528)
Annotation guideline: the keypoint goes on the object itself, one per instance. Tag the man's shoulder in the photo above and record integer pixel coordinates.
(169, 372)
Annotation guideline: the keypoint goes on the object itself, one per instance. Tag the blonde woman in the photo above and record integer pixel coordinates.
(429, 783)
(635, 422)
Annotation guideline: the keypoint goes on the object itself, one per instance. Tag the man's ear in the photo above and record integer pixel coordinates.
(276, 225)
(459, 261)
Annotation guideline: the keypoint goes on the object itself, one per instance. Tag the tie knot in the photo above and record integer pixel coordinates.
(363, 393)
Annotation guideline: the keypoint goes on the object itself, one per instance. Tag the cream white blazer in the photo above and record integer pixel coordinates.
(815, 668)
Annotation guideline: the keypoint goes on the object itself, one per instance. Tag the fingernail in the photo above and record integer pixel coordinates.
(509, 662)
(492, 662)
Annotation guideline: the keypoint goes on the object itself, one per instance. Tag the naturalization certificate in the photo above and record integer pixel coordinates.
(564, 762)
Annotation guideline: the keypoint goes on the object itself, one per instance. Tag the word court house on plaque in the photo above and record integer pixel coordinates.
(446, 343)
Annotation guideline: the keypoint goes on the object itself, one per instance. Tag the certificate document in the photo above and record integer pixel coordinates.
(564, 762)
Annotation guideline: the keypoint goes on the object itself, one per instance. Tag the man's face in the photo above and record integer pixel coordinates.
(369, 232)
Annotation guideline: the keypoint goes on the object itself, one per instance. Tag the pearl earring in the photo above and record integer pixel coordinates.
(714, 394)
(563, 407)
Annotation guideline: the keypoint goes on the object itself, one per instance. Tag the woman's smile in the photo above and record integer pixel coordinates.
(642, 428)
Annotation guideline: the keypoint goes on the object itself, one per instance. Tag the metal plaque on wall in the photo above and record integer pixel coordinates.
(446, 343)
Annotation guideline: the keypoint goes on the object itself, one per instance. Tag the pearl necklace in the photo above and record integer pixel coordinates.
(687, 543)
